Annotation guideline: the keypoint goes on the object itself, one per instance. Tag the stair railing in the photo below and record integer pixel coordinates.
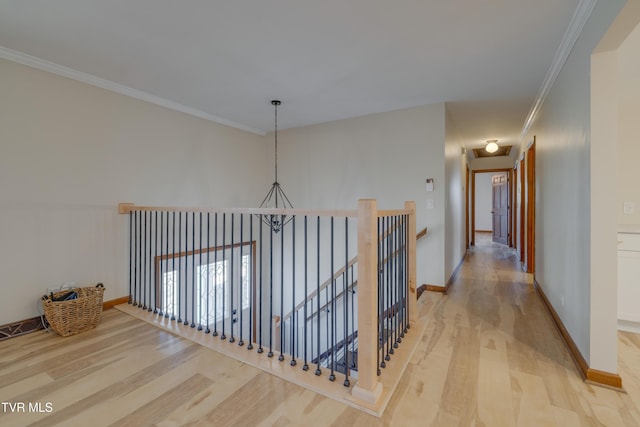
(226, 273)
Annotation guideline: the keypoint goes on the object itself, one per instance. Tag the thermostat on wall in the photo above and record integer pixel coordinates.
(429, 186)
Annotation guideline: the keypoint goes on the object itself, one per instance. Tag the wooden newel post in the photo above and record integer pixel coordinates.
(411, 263)
(367, 389)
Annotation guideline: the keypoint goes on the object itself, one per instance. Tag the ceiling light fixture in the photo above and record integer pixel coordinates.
(492, 146)
(276, 198)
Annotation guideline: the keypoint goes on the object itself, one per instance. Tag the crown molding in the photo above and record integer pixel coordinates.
(61, 70)
(578, 20)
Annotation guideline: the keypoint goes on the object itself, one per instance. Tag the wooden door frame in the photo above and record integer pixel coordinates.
(531, 207)
(514, 213)
(466, 202)
(522, 210)
(509, 172)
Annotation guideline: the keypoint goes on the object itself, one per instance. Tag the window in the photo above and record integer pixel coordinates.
(223, 287)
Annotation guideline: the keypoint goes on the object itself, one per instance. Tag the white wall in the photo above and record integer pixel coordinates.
(71, 152)
(628, 107)
(455, 205)
(483, 163)
(564, 200)
(484, 194)
(383, 156)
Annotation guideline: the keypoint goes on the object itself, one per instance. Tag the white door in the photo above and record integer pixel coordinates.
(229, 294)
(221, 282)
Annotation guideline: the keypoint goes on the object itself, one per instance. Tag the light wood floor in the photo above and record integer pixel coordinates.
(490, 357)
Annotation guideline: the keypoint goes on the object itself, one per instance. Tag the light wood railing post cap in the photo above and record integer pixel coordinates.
(125, 208)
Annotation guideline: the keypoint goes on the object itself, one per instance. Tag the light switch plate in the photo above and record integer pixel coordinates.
(629, 208)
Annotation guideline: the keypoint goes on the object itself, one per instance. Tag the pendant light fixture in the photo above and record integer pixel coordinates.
(492, 146)
(276, 198)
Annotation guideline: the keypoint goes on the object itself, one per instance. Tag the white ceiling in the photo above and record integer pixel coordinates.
(325, 59)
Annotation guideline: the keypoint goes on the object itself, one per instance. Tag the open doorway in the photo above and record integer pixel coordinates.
(491, 216)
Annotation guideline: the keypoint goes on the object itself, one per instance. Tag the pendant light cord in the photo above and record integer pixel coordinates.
(275, 103)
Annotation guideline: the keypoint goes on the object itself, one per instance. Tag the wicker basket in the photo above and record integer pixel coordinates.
(77, 315)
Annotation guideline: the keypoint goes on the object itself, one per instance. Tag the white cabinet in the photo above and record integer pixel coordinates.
(629, 281)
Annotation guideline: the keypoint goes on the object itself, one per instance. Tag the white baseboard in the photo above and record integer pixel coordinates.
(629, 326)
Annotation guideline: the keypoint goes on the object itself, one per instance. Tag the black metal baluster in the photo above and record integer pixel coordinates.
(215, 277)
(270, 353)
(281, 357)
(406, 274)
(400, 280)
(150, 276)
(401, 294)
(397, 257)
(241, 284)
(252, 280)
(199, 275)
(207, 322)
(384, 289)
(136, 261)
(345, 303)
(151, 246)
(293, 287)
(143, 296)
(328, 311)
(153, 243)
(233, 273)
(131, 256)
(186, 269)
(392, 282)
(174, 284)
(381, 361)
(396, 301)
(389, 306)
(260, 350)
(398, 262)
(132, 295)
(388, 288)
(389, 283)
(156, 283)
(387, 291)
(305, 367)
(166, 251)
(224, 274)
(193, 270)
(179, 272)
(332, 377)
(142, 260)
(403, 280)
(353, 319)
(141, 263)
(318, 371)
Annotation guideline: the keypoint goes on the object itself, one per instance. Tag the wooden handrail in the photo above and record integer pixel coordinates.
(125, 208)
(421, 234)
(322, 287)
(326, 304)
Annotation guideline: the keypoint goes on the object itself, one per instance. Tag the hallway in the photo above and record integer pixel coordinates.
(494, 357)
(490, 357)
